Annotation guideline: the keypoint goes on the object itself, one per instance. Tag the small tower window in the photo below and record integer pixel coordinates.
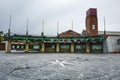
(93, 26)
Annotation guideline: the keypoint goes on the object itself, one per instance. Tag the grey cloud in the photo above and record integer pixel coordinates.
(52, 11)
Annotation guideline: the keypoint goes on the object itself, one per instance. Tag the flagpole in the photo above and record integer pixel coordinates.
(72, 28)
(27, 27)
(43, 28)
(72, 24)
(104, 28)
(9, 27)
(27, 42)
(8, 44)
(27, 24)
(57, 28)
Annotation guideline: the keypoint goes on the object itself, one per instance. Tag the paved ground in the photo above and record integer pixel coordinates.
(59, 66)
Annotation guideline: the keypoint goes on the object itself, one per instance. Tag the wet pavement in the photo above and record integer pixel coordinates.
(59, 66)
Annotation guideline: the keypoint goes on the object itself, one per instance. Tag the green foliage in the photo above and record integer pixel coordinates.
(1, 38)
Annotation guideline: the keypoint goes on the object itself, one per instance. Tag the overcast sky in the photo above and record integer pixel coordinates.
(51, 11)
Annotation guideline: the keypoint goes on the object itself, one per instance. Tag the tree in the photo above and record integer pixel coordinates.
(1, 38)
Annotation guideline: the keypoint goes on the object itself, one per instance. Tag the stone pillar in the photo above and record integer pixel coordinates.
(8, 47)
(43, 47)
(27, 47)
(72, 47)
(57, 47)
(87, 47)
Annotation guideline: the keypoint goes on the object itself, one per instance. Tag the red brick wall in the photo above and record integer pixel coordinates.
(2, 46)
(92, 20)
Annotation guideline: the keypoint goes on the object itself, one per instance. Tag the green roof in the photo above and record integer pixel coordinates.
(98, 38)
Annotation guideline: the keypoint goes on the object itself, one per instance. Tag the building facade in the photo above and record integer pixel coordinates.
(57, 44)
(113, 44)
(92, 40)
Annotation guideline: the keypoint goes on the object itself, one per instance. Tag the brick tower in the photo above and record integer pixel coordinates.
(92, 22)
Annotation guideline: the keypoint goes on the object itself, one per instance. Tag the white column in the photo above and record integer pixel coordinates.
(8, 47)
(72, 47)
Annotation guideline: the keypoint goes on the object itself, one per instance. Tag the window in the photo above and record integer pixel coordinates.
(71, 33)
(50, 45)
(13, 46)
(18, 46)
(96, 47)
(65, 46)
(93, 26)
(22, 46)
(118, 41)
(36, 46)
(78, 46)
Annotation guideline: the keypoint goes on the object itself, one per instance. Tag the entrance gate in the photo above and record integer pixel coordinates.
(34, 47)
(65, 47)
(80, 47)
(50, 47)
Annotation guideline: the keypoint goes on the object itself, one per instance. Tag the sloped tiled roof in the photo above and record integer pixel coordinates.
(68, 31)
